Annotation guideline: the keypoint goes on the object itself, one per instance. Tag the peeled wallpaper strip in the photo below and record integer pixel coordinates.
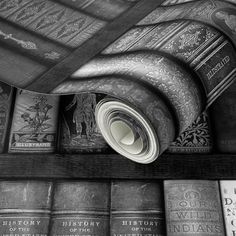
(151, 57)
(215, 13)
(158, 77)
(93, 46)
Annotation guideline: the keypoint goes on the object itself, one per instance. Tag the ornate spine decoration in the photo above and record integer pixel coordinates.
(196, 138)
(24, 44)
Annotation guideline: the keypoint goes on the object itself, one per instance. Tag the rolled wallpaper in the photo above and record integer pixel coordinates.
(158, 77)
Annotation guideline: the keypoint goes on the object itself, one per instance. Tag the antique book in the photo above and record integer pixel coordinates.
(102, 9)
(81, 208)
(193, 207)
(78, 129)
(137, 208)
(25, 207)
(197, 138)
(223, 113)
(34, 124)
(228, 198)
(6, 93)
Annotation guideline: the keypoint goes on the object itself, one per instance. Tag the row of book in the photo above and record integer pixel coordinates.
(36, 125)
(46, 123)
(117, 208)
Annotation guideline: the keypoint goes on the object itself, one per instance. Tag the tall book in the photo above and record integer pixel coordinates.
(25, 208)
(5, 105)
(137, 208)
(34, 123)
(193, 207)
(81, 208)
(228, 198)
(78, 130)
(223, 113)
(197, 138)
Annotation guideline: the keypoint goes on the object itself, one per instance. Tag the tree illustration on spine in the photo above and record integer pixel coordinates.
(36, 120)
(34, 124)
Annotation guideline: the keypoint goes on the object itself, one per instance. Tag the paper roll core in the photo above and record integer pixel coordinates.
(127, 131)
(125, 137)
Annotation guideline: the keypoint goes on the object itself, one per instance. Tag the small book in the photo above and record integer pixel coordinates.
(79, 132)
(81, 208)
(6, 93)
(137, 208)
(25, 208)
(193, 207)
(228, 198)
(34, 124)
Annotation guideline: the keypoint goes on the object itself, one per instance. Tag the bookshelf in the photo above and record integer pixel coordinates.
(74, 166)
(92, 166)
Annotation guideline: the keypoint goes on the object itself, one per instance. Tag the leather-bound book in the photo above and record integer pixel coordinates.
(78, 130)
(103, 9)
(25, 208)
(6, 93)
(193, 207)
(197, 138)
(51, 20)
(34, 123)
(228, 198)
(223, 113)
(137, 208)
(81, 208)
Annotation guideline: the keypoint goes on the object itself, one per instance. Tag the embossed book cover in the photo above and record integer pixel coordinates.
(25, 207)
(81, 208)
(6, 93)
(78, 129)
(34, 125)
(137, 208)
(197, 138)
(193, 207)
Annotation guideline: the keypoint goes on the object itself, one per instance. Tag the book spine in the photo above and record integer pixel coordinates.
(81, 208)
(17, 69)
(197, 138)
(6, 94)
(208, 52)
(52, 20)
(79, 132)
(223, 113)
(137, 208)
(106, 10)
(228, 198)
(34, 46)
(25, 207)
(34, 123)
(193, 207)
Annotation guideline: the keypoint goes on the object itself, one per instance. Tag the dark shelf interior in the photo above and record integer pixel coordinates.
(74, 166)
